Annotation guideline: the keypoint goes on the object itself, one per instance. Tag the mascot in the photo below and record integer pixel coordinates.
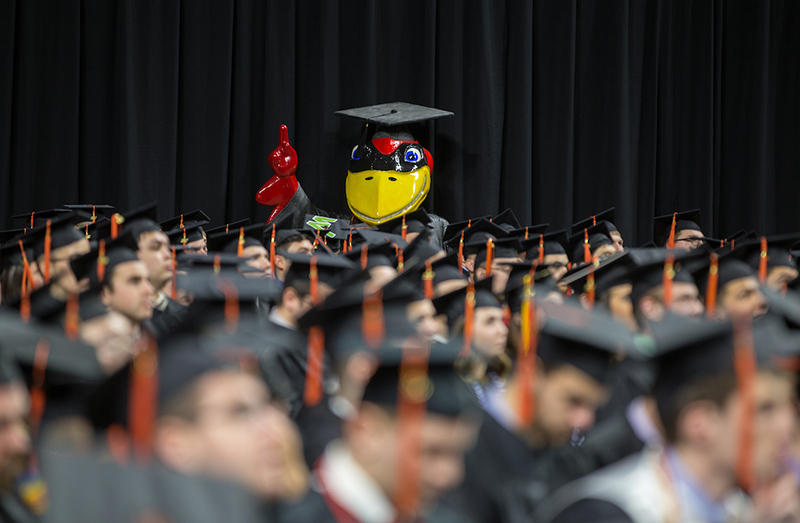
(390, 173)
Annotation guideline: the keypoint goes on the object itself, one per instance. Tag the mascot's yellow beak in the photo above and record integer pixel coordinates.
(378, 196)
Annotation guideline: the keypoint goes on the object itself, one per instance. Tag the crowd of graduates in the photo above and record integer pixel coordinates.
(317, 369)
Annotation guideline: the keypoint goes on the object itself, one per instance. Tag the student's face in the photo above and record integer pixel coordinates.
(258, 258)
(557, 265)
(621, 307)
(688, 239)
(779, 276)
(60, 270)
(741, 298)
(129, 292)
(303, 247)
(154, 251)
(197, 247)
(567, 400)
(773, 426)
(604, 251)
(239, 435)
(422, 315)
(616, 237)
(686, 300)
(15, 441)
(489, 331)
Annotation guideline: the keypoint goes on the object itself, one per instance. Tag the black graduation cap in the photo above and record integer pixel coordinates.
(91, 487)
(475, 237)
(185, 228)
(543, 283)
(599, 235)
(503, 248)
(452, 233)
(778, 252)
(11, 234)
(608, 272)
(373, 237)
(97, 265)
(214, 263)
(729, 268)
(606, 216)
(136, 221)
(229, 241)
(284, 230)
(62, 233)
(446, 269)
(507, 220)
(453, 304)
(378, 254)
(36, 218)
(648, 268)
(415, 221)
(588, 340)
(228, 227)
(94, 212)
(330, 269)
(419, 250)
(554, 243)
(662, 225)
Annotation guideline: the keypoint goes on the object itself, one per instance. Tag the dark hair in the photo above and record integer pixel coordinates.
(294, 238)
(11, 283)
(182, 405)
(716, 389)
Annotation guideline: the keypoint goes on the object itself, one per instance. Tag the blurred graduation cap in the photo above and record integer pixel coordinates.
(283, 230)
(414, 222)
(453, 230)
(529, 232)
(94, 212)
(608, 272)
(543, 283)
(686, 220)
(598, 236)
(446, 269)
(62, 232)
(236, 240)
(478, 234)
(649, 266)
(330, 269)
(507, 220)
(505, 248)
(185, 228)
(93, 488)
(98, 263)
(214, 263)
(588, 340)
(36, 218)
(11, 234)
(453, 304)
(606, 216)
(136, 221)
(551, 243)
(767, 252)
(228, 227)
(419, 250)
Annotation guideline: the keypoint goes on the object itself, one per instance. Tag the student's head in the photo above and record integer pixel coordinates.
(294, 244)
(126, 289)
(154, 251)
(739, 293)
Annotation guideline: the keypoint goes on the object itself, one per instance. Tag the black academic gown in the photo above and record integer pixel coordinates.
(165, 321)
(506, 479)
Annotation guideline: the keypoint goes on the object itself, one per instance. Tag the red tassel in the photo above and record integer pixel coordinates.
(27, 268)
(461, 254)
(118, 444)
(32, 219)
(404, 228)
(312, 394)
(762, 263)
(37, 390)
(541, 249)
(711, 288)
(174, 266)
(414, 390)
(240, 247)
(469, 313)
(231, 304)
(594, 221)
(587, 249)
(671, 240)
(48, 242)
(272, 251)
(72, 317)
(400, 264)
(364, 257)
(527, 360)
(116, 225)
(427, 279)
(102, 261)
(526, 232)
(25, 300)
(143, 399)
(313, 277)
(94, 214)
(86, 232)
(373, 328)
(669, 275)
(590, 286)
(745, 365)
(489, 257)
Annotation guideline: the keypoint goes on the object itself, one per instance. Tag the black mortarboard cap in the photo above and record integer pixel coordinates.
(589, 340)
(648, 268)
(599, 235)
(605, 216)
(475, 237)
(98, 210)
(416, 221)
(394, 114)
(185, 228)
(503, 248)
(37, 218)
(507, 220)
(330, 269)
(229, 241)
(116, 252)
(778, 251)
(554, 243)
(446, 269)
(62, 233)
(608, 272)
(214, 262)
(136, 221)
(683, 220)
(284, 230)
(453, 230)
(419, 250)
(453, 304)
(228, 226)
(11, 234)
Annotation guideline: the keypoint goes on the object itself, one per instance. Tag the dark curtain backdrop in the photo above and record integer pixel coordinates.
(563, 107)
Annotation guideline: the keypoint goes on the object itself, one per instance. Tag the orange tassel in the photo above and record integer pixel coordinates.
(594, 221)
(143, 399)
(231, 304)
(217, 264)
(722, 243)
(427, 279)
(400, 264)
(25, 300)
(527, 359)
(27, 268)
(469, 313)
(102, 261)
(312, 394)
(590, 287)
(413, 391)
(489, 257)
(94, 214)
(37, 390)
(364, 257)
(711, 288)
(745, 365)
(541, 249)
(733, 244)
(526, 232)
(86, 232)
(313, 277)
(116, 225)
(671, 240)
(762, 263)
(48, 243)
(72, 317)
(587, 249)
(404, 229)
(272, 252)
(461, 254)
(32, 219)
(174, 266)
(240, 248)
(669, 275)
(373, 328)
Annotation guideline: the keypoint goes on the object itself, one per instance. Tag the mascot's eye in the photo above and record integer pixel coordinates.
(353, 154)
(413, 155)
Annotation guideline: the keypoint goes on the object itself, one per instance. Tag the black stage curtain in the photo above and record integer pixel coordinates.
(563, 107)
